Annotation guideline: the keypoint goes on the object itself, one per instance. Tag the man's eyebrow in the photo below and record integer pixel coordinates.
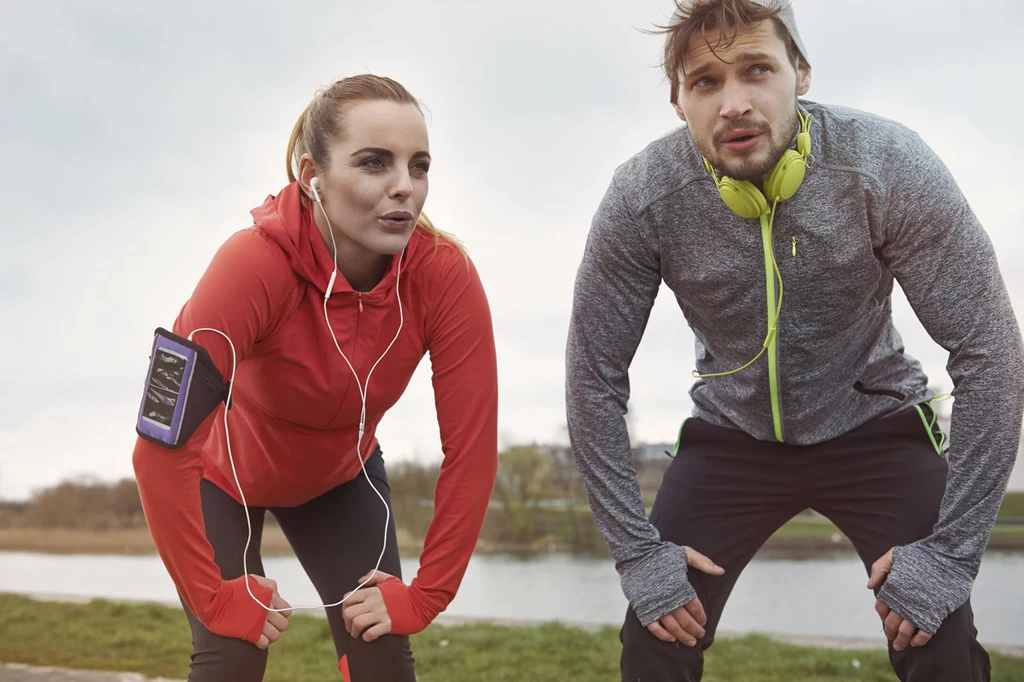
(752, 56)
(756, 56)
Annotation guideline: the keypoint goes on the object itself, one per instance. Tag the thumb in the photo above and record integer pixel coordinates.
(879, 570)
(265, 582)
(375, 578)
(702, 563)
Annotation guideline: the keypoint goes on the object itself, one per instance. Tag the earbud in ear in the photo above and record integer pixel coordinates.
(312, 185)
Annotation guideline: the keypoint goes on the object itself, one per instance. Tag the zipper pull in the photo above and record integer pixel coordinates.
(360, 295)
(794, 246)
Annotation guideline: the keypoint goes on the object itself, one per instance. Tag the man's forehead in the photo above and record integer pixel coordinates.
(758, 40)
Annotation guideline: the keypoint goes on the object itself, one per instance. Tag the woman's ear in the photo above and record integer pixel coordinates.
(307, 171)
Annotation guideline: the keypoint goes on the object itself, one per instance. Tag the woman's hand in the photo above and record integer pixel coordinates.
(276, 622)
(365, 611)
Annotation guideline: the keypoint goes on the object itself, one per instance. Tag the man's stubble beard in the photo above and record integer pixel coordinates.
(745, 169)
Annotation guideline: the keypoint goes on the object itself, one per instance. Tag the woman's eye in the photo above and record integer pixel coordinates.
(373, 162)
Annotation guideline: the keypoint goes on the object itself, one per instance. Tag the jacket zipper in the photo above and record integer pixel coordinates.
(773, 368)
(359, 295)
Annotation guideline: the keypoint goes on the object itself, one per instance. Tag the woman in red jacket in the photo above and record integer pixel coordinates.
(330, 300)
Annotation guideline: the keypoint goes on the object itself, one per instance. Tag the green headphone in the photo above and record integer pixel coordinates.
(743, 197)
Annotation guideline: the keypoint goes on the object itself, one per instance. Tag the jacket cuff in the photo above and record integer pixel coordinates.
(235, 614)
(657, 584)
(398, 599)
(921, 590)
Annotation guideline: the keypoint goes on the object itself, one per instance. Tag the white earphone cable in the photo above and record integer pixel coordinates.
(362, 420)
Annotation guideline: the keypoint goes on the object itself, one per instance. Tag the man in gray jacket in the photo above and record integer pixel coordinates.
(780, 225)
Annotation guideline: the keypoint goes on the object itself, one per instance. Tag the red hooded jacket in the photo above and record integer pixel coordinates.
(295, 405)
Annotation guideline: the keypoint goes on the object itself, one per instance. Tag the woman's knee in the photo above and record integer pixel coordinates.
(386, 658)
(225, 658)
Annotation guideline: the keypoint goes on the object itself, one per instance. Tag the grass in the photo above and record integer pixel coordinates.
(154, 640)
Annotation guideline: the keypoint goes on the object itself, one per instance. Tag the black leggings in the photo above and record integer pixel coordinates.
(726, 493)
(336, 538)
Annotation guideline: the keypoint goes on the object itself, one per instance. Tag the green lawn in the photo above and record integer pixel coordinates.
(154, 640)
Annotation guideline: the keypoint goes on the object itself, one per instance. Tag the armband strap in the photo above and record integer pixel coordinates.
(183, 387)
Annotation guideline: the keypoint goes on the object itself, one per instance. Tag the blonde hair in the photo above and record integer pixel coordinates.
(321, 124)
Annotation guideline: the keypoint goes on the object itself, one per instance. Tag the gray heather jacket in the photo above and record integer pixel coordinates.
(877, 205)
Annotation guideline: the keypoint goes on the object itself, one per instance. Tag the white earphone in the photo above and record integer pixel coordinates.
(362, 387)
(313, 182)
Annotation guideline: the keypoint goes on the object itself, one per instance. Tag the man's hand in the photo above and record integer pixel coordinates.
(365, 611)
(899, 630)
(686, 624)
(276, 623)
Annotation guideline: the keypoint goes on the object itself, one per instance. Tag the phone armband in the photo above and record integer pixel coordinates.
(183, 387)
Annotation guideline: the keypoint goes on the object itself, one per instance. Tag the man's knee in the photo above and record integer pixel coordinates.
(952, 655)
(648, 659)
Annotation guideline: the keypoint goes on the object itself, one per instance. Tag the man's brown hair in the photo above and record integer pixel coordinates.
(701, 17)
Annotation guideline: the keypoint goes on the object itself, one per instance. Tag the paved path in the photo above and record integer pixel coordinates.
(24, 673)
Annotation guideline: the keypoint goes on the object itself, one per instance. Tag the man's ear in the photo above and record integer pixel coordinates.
(803, 77)
(679, 111)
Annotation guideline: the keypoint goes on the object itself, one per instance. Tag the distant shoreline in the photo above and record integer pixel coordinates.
(137, 541)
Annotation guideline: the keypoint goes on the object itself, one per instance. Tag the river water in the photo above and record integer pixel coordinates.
(824, 597)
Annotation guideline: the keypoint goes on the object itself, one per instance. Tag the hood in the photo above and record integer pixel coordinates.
(290, 225)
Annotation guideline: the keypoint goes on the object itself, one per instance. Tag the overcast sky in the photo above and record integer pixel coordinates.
(131, 130)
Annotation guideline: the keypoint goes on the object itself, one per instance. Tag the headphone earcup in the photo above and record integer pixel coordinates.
(785, 179)
(742, 197)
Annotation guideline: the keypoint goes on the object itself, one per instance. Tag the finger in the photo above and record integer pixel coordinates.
(920, 639)
(696, 609)
(906, 631)
(360, 623)
(688, 623)
(702, 563)
(284, 608)
(661, 633)
(679, 623)
(673, 627)
(277, 620)
(351, 612)
(879, 570)
(271, 633)
(355, 597)
(378, 630)
(262, 642)
(882, 609)
(891, 625)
